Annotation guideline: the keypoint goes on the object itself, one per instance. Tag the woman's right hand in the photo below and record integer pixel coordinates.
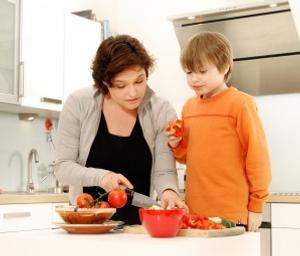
(112, 181)
(173, 141)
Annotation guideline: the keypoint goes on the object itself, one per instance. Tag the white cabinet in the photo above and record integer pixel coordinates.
(46, 58)
(17, 217)
(82, 39)
(9, 50)
(55, 216)
(295, 7)
(41, 56)
(285, 229)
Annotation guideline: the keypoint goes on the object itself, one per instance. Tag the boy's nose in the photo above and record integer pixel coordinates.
(195, 77)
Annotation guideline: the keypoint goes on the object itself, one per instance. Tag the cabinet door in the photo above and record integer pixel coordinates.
(42, 43)
(82, 38)
(9, 54)
(285, 215)
(285, 242)
(17, 217)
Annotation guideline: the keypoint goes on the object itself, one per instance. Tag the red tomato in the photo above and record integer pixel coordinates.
(48, 124)
(85, 200)
(177, 126)
(117, 198)
(102, 204)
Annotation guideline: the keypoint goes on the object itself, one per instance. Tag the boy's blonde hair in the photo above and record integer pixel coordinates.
(207, 48)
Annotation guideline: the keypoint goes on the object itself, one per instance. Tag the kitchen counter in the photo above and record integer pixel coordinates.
(283, 199)
(16, 198)
(59, 242)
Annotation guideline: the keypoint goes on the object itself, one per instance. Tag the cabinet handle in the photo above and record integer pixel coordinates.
(21, 79)
(51, 100)
(11, 215)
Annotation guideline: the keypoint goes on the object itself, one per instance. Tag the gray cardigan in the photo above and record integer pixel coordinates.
(77, 129)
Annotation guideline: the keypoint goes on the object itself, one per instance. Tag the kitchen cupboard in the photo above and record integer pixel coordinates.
(19, 217)
(46, 58)
(82, 38)
(41, 55)
(9, 50)
(285, 229)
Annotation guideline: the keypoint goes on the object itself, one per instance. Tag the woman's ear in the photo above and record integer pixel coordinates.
(105, 83)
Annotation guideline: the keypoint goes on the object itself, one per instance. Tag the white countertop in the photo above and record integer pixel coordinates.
(59, 242)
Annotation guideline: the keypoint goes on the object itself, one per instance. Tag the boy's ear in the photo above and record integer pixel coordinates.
(226, 69)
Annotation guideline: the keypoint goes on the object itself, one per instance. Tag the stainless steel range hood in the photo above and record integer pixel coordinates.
(264, 40)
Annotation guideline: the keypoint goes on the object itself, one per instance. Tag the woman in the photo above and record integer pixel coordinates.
(113, 134)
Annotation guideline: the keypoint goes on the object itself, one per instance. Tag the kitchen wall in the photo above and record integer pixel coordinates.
(147, 20)
(17, 139)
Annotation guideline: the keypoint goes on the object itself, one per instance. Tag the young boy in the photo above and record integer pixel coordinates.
(223, 146)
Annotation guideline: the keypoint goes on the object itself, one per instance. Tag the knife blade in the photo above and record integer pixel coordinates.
(140, 200)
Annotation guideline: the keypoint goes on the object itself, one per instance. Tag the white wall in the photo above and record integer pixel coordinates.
(17, 139)
(147, 20)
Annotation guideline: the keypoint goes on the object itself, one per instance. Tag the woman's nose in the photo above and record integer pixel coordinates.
(132, 91)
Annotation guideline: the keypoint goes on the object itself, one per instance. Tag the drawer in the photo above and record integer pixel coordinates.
(285, 215)
(17, 217)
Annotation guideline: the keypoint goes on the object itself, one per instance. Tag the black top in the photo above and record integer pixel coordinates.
(129, 156)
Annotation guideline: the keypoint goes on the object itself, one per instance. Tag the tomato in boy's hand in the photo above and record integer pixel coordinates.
(102, 204)
(177, 126)
(117, 198)
(85, 200)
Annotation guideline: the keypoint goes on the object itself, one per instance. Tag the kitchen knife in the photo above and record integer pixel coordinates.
(140, 200)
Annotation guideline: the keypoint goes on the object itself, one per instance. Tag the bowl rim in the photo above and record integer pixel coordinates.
(84, 210)
(162, 211)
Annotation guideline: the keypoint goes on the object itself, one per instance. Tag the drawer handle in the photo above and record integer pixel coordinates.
(11, 215)
(51, 100)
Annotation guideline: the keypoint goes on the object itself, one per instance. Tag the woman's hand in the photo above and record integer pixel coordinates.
(173, 141)
(170, 199)
(112, 181)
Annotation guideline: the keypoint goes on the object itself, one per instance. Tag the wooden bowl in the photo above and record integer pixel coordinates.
(74, 215)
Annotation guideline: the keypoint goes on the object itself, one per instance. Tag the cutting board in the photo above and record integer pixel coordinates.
(139, 229)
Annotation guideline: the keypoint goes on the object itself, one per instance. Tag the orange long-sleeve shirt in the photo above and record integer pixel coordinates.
(225, 152)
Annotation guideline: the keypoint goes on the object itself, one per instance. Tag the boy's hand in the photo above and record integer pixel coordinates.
(173, 141)
(254, 221)
(174, 132)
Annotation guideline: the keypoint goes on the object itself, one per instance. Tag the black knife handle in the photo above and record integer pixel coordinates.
(129, 192)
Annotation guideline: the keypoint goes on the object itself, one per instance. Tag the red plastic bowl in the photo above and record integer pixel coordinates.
(162, 223)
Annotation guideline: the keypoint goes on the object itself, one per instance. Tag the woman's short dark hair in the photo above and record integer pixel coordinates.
(116, 54)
